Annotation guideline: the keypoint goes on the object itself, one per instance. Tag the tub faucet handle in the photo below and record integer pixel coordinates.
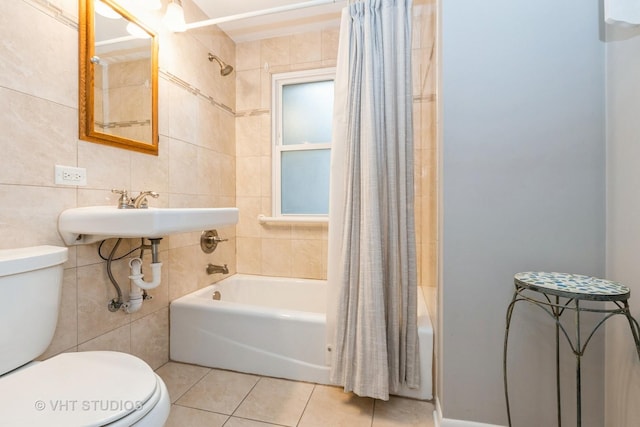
(209, 241)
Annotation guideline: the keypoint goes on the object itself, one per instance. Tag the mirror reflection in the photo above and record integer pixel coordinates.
(120, 79)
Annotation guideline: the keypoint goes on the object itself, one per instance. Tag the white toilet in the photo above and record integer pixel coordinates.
(93, 388)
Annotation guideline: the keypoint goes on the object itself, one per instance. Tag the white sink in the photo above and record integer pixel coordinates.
(95, 223)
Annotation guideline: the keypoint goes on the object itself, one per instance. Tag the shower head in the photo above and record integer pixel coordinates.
(225, 69)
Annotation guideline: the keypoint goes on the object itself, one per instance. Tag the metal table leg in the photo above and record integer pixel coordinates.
(504, 353)
(572, 289)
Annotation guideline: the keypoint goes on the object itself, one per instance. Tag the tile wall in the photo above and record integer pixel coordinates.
(425, 139)
(195, 168)
(128, 112)
(274, 249)
(301, 250)
(214, 151)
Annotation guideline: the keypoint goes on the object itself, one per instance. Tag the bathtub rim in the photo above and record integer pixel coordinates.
(199, 301)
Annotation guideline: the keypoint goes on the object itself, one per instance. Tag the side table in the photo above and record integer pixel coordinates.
(557, 292)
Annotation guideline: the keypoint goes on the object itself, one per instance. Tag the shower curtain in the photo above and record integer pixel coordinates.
(372, 319)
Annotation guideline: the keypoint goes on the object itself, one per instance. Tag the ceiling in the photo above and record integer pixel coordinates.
(273, 25)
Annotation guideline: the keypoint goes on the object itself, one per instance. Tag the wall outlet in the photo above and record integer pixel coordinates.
(68, 175)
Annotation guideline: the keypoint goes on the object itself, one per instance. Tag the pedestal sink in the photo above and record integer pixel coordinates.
(91, 224)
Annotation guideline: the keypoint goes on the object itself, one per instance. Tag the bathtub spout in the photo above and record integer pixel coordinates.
(212, 269)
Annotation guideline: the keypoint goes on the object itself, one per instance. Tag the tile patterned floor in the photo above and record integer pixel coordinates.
(215, 398)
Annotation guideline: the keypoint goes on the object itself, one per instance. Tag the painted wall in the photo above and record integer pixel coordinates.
(523, 188)
(622, 367)
(195, 168)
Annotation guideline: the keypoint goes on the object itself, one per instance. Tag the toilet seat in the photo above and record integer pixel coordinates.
(81, 389)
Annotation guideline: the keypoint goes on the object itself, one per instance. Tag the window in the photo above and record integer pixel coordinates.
(302, 118)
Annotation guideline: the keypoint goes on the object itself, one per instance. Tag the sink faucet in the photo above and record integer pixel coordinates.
(140, 201)
(211, 269)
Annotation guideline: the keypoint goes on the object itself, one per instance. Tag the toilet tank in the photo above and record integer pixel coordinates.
(30, 288)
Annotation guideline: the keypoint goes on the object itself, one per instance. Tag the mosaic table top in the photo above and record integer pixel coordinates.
(572, 285)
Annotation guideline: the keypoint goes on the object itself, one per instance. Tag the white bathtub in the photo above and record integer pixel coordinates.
(269, 326)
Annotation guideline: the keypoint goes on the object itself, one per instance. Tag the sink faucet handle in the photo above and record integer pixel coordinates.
(140, 201)
(123, 202)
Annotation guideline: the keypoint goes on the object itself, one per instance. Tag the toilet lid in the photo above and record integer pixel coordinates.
(77, 389)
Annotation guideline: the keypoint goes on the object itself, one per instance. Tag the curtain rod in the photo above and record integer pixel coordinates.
(262, 12)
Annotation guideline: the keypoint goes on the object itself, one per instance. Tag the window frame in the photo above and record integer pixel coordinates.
(278, 81)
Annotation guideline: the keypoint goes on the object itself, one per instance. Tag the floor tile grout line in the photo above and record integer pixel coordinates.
(182, 405)
(192, 385)
(253, 419)
(246, 395)
(226, 421)
(260, 378)
(373, 411)
(306, 405)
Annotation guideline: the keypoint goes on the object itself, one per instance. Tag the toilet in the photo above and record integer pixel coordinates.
(93, 388)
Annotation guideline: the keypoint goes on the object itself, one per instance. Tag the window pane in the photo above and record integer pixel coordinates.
(305, 182)
(307, 112)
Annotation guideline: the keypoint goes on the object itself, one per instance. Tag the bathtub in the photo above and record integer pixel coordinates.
(270, 326)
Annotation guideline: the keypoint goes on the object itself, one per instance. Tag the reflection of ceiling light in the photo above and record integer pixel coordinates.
(137, 32)
(106, 11)
(174, 17)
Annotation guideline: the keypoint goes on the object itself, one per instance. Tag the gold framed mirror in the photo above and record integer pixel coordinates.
(118, 85)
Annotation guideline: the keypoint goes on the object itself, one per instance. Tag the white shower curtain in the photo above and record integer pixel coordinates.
(372, 262)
